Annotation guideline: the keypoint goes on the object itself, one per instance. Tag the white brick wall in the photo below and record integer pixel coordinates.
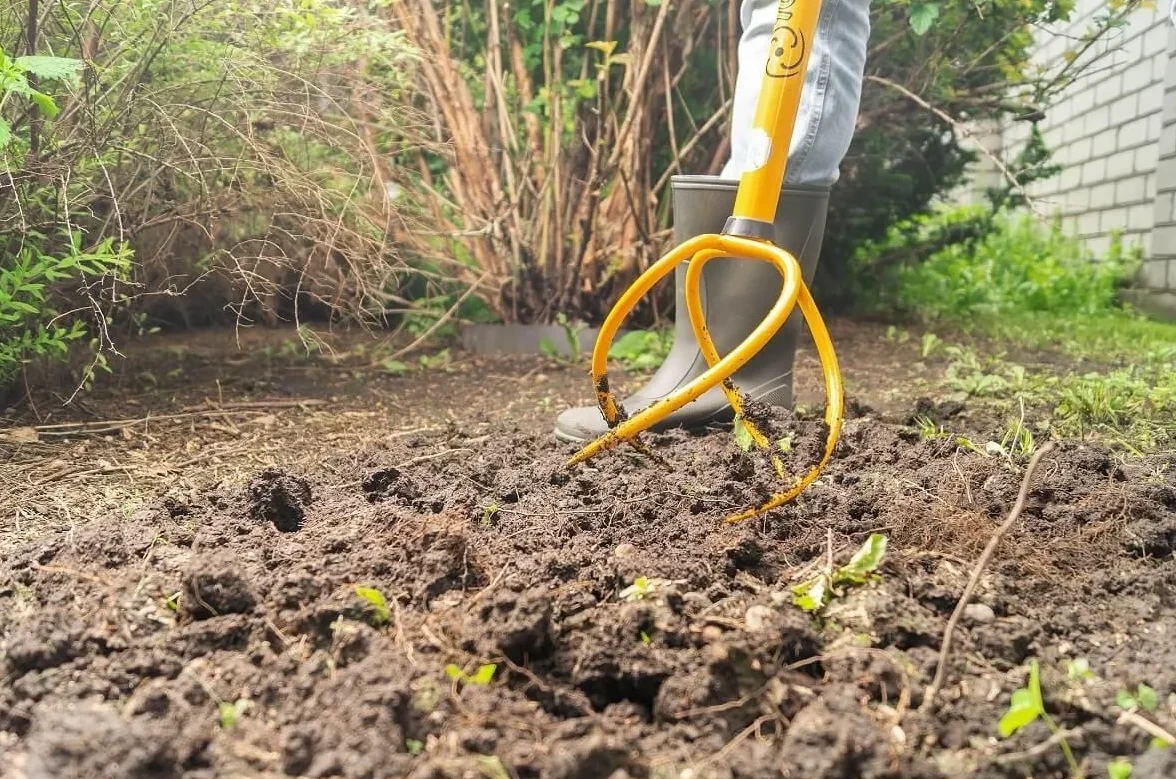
(1114, 134)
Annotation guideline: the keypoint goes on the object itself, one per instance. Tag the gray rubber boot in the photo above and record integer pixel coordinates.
(736, 296)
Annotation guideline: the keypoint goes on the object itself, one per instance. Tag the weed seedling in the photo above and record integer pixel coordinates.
(928, 430)
(488, 514)
(1027, 706)
(572, 334)
(930, 344)
(1144, 698)
(229, 714)
(379, 604)
(1119, 769)
(482, 677)
(643, 587)
(816, 593)
(414, 746)
(492, 767)
(439, 361)
(392, 367)
(641, 350)
(172, 602)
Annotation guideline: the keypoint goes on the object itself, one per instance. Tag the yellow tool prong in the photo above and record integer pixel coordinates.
(702, 249)
(787, 265)
(834, 408)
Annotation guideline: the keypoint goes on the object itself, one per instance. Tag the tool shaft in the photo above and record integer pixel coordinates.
(775, 118)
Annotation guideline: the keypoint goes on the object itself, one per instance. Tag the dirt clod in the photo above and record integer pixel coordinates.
(214, 585)
(91, 740)
(279, 498)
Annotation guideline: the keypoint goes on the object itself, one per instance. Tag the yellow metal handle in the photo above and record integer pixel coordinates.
(775, 116)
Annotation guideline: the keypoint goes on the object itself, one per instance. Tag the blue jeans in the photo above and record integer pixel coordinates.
(832, 89)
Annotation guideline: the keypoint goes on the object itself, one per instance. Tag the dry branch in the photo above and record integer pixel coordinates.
(977, 572)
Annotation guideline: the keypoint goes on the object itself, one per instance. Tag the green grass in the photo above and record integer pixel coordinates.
(1111, 336)
(1017, 285)
(1121, 386)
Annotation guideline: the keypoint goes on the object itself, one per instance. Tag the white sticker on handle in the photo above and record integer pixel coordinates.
(759, 149)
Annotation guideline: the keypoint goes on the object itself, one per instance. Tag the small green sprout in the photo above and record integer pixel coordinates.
(230, 714)
(928, 430)
(645, 639)
(743, 435)
(1119, 769)
(393, 367)
(639, 590)
(172, 602)
(380, 611)
(1144, 698)
(488, 514)
(814, 594)
(413, 746)
(930, 344)
(1027, 706)
(492, 767)
(482, 677)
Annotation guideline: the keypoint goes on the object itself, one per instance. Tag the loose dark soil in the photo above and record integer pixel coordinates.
(215, 629)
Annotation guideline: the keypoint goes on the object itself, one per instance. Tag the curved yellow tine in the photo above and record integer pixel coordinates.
(834, 409)
(700, 251)
(625, 429)
(616, 317)
(702, 332)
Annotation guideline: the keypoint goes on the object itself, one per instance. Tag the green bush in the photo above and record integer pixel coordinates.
(1000, 263)
(234, 158)
(30, 325)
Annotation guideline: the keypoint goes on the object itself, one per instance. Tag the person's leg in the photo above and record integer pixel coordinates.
(832, 89)
(737, 294)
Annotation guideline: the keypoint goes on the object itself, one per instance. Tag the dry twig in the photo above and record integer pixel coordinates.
(977, 572)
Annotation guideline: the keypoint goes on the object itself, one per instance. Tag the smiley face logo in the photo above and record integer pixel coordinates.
(787, 52)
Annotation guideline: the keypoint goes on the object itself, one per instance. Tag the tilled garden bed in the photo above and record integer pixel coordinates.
(221, 632)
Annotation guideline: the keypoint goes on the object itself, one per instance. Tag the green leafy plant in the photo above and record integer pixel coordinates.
(929, 430)
(814, 594)
(393, 367)
(642, 350)
(29, 324)
(572, 338)
(380, 613)
(929, 344)
(641, 588)
(481, 677)
(414, 746)
(14, 83)
(1027, 706)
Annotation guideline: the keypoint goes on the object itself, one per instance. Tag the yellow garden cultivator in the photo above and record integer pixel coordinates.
(747, 235)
